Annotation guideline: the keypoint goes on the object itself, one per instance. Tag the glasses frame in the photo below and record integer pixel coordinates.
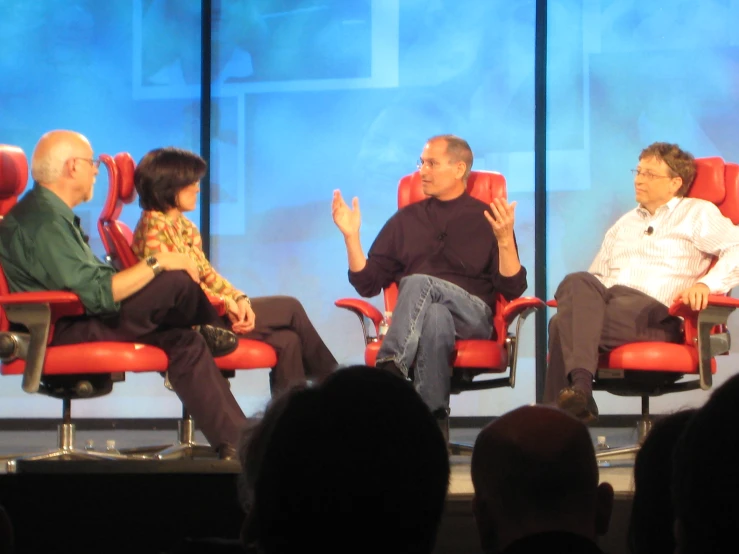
(648, 175)
(94, 162)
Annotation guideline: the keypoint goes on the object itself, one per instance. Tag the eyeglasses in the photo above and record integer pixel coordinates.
(94, 162)
(431, 164)
(648, 175)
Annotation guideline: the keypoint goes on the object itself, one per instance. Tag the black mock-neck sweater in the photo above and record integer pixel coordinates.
(450, 240)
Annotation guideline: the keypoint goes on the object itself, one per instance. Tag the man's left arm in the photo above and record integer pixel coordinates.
(716, 235)
(70, 267)
(511, 278)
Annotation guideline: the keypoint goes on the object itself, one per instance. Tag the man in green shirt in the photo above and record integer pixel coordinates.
(157, 301)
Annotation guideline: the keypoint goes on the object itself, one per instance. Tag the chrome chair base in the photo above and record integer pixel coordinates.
(67, 451)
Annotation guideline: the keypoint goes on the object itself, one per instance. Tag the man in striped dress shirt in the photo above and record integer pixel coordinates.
(656, 254)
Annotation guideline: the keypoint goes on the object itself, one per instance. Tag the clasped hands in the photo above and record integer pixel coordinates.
(242, 316)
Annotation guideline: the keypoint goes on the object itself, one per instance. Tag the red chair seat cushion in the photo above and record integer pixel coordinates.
(96, 357)
(251, 354)
(653, 356)
(478, 354)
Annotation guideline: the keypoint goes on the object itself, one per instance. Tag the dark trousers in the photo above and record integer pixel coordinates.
(591, 319)
(162, 314)
(283, 324)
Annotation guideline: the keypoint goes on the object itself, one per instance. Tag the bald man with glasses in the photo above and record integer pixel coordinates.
(656, 254)
(158, 301)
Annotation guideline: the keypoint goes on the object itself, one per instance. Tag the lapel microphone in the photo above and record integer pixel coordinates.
(649, 231)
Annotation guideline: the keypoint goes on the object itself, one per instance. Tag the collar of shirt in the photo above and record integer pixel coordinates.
(669, 206)
(58, 206)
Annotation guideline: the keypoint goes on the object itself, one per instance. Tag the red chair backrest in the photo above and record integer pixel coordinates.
(718, 182)
(13, 176)
(483, 185)
(13, 181)
(116, 235)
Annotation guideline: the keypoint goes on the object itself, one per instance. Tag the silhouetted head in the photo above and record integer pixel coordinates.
(651, 526)
(705, 477)
(355, 464)
(534, 470)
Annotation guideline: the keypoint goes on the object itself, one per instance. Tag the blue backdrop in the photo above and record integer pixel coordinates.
(314, 95)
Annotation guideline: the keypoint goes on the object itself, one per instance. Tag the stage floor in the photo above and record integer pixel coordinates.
(88, 502)
(617, 472)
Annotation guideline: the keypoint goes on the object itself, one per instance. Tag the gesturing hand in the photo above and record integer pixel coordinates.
(346, 219)
(502, 219)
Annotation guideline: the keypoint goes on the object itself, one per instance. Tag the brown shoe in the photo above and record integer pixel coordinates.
(220, 341)
(578, 404)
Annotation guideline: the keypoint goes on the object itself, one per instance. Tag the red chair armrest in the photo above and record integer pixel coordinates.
(362, 308)
(62, 303)
(37, 311)
(718, 300)
(515, 307)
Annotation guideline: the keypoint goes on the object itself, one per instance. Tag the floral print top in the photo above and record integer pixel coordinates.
(158, 232)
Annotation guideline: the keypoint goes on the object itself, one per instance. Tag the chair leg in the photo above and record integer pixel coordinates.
(186, 446)
(643, 427)
(65, 446)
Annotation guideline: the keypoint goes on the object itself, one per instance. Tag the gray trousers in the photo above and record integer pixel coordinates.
(591, 319)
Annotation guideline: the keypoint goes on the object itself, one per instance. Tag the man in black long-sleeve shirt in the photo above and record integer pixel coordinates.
(448, 263)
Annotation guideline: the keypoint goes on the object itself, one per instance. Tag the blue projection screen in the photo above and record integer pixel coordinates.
(309, 96)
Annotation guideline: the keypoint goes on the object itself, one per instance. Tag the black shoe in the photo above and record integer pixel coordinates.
(220, 341)
(227, 452)
(578, 404)
(442, 418)
(391, 367)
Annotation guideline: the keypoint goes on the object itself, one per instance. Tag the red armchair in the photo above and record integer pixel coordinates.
(472, 358)
(649, 369)
(71, 372)
(117, 239)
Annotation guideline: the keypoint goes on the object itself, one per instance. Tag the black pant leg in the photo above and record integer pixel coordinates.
(281, 322)
(200, 386)
(575, 330)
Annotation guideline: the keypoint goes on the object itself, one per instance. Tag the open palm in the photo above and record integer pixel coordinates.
(347, 219)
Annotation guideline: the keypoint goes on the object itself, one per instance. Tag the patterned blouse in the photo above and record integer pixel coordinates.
(158, 232)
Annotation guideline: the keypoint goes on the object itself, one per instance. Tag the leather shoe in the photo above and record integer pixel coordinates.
(578, 404)
(392, 367)
(227, 452)
(220, 341)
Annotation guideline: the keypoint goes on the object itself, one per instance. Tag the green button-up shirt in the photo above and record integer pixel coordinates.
(42, 247)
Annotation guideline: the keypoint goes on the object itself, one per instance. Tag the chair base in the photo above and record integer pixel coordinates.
(185, 447)
(66, 451)
(643, 428)
(460, 448)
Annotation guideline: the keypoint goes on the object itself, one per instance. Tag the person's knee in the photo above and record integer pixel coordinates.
(413, 281)
(576, 277)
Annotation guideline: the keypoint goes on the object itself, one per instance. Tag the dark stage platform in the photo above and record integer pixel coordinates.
(153, 506)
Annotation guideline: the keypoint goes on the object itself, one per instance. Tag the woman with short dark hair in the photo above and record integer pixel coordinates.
(168, 182)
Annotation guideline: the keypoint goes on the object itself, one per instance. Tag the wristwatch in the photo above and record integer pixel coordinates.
(244, 297)
(153, 263)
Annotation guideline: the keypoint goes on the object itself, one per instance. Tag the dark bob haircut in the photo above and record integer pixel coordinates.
(163, 173)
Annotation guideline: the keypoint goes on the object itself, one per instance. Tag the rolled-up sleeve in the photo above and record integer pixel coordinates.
(71, 266)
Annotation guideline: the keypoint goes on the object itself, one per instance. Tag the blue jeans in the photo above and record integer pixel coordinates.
(429, 316)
